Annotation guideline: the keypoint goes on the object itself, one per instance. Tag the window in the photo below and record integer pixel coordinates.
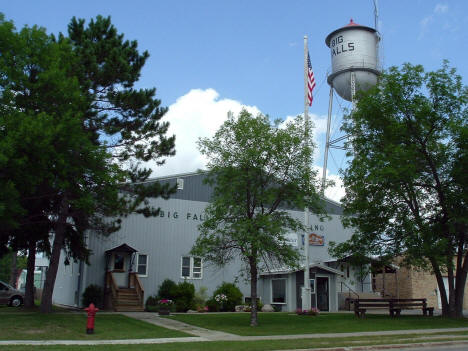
(278, 290)
(312, 286)
(118, 262)
(142, 265)
(197, 267)
(180, 183)
(186, 267)
(191, 267)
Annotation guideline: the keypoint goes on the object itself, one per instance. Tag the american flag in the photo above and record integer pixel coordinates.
(310, 80)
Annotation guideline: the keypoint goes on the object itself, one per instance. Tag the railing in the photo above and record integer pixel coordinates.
(135, 281)
(349, 298)
(349, 290)
(112, 284)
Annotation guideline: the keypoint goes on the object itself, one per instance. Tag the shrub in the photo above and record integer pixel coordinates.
(185, 294)
(212, 305)
(152, 308)
(168, 290)
(200, 299)
(248, 307)
(151, 304)
(92, 294)
(227, 295)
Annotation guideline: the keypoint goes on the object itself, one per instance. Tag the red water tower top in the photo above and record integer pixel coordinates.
(352, 23)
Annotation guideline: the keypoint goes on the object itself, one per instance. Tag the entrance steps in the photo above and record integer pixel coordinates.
(127, 300)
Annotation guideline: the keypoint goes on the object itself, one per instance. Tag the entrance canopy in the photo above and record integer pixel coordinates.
(317, 266)
(124, 248)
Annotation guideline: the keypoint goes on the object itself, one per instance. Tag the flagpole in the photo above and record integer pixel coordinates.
(306, 288)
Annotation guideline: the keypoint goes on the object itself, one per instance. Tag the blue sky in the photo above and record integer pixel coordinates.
(208, 57)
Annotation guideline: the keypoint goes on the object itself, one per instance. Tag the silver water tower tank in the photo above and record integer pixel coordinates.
(353, 48)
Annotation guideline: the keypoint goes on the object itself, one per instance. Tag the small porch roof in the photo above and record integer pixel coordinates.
(285, 270)
(122, 248)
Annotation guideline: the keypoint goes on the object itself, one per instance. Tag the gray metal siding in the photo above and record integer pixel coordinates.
(165, 239)
(171, 235)
(66, 283)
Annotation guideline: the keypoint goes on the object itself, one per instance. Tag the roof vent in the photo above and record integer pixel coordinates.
(180, 184)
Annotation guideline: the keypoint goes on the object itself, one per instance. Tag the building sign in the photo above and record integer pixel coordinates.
(189, 216)
(316, 240)
(338, 45)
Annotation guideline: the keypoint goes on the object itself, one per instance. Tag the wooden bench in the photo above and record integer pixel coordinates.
(394, 306)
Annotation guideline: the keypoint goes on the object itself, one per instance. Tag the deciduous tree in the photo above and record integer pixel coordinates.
(39, 127)
(406, 186)
(258, 169)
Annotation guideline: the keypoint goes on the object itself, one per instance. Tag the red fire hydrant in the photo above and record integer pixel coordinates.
(91, 313)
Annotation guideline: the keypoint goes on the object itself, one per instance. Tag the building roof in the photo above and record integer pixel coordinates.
(122, 248)
(195, 189)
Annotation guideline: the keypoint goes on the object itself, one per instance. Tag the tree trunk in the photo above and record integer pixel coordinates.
(253, 292)
(440, 284)
(462, 272)
(14, 269)
(31, 265)
(451, 284)
(46, 301)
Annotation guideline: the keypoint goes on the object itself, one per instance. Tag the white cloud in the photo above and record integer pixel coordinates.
(319, 127)
(425, 23)
(197, 114)
(441, 8)
(335, 192)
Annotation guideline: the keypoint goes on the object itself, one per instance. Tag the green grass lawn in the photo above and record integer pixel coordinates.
(288, 323)
(32, 325)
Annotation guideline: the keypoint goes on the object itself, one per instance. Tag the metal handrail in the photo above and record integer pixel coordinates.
(350, 290)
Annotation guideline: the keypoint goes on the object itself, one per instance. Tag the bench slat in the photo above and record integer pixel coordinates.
(393, 305)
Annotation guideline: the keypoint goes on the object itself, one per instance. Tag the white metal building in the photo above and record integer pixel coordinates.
(146, 251)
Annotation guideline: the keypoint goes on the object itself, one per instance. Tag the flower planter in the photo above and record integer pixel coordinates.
(164, 311)
(164, 307)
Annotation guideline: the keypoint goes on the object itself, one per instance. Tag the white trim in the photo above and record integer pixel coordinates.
(191, 267)
(146, 266)
(285, 292)
(312, 265)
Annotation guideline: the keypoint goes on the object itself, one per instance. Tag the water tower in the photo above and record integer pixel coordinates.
(355, 66)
